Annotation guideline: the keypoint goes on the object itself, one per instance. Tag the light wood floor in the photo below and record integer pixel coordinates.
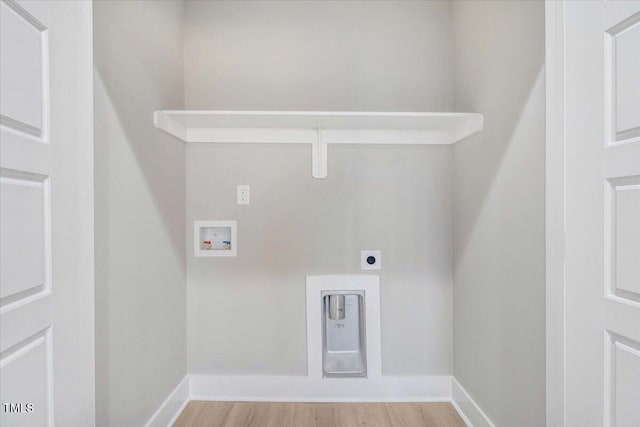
(265, 414)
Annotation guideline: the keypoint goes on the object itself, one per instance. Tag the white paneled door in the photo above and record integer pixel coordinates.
(46, 214)
(621, 160)
(602, 224)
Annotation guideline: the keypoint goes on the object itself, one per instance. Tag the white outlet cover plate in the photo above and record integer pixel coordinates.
(364, 265)
(244, 195)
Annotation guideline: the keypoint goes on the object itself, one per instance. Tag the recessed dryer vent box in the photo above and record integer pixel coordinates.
(215, 238)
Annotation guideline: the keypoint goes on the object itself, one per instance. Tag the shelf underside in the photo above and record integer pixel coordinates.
(318, 128)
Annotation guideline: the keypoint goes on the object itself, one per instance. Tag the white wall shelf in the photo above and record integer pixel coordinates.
(318, 128)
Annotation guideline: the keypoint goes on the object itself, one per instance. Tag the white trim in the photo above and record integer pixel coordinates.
(469, 411)
(555, 213)
(85, 253)
(370, 284)
(267, 388)
(465, 419)
(169, 411)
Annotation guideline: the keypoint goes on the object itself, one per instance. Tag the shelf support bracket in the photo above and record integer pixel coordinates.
(319, 156)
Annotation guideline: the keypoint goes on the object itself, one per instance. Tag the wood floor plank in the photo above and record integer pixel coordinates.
(405, 414)
(243, 414)
(345, 414)
(286, 414)
(441, 415)
(304, 414)
(189, 414)
(324, 414)
(278, 414)
(373, 415)
(214, 414)
(203, 413)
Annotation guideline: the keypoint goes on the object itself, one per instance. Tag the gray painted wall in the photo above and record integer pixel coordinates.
(499, 187)
(140, 210)
(318, 55)
(246, 315)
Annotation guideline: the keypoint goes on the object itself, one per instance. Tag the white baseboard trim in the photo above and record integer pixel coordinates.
(173, 405)
(266, 388)
(468, 409)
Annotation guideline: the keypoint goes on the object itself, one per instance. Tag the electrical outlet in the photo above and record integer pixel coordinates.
(244, 195)
(370, 260)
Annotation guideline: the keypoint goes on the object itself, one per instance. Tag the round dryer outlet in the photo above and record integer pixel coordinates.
(370, 260)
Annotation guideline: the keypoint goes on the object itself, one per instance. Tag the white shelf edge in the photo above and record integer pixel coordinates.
(316, 113)
(161, 120)
(418, 128)
(167, 121)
